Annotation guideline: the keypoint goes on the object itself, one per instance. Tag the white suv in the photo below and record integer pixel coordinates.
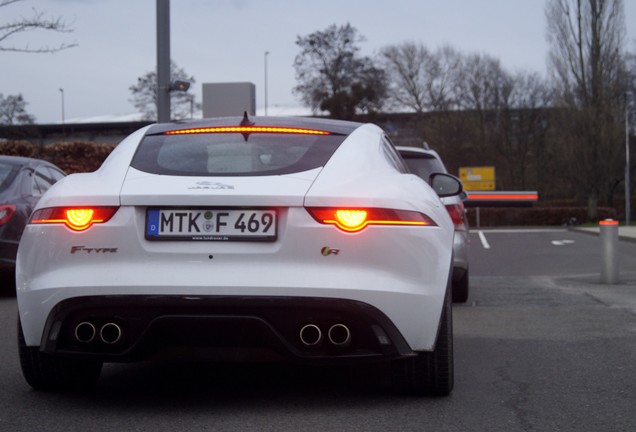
(423, 162)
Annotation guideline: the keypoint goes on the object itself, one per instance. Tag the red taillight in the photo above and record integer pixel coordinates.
(356, 219)
(456, 212)
(76, 218)
(6, 213)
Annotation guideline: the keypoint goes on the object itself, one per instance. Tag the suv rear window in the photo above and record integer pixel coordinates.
(423, 165)
(234, 154)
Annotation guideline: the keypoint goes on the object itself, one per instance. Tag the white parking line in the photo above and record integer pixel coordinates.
(484, 242)
(524, 230)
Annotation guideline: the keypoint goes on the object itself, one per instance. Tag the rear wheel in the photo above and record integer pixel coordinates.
(430, 373)
(460, 288)
(7, 286)
(46, 372)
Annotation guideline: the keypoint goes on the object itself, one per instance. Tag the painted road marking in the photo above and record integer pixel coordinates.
(562, 242)
(483, 240)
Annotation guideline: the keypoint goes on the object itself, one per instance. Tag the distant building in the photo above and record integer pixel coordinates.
(229, 99)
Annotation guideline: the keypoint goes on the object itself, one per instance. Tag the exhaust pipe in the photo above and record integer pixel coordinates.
(110, 333)
(85, 332)
(310, 335)
(339, 335)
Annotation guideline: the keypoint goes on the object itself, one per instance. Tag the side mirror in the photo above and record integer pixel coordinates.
(445, 184)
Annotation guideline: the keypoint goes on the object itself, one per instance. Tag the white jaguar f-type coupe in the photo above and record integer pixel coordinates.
(296, 239)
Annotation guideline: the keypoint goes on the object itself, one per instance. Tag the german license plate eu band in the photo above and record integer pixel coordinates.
(211, 224)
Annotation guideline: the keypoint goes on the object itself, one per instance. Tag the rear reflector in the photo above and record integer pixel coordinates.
(356, 219)
(76, 218)
(248, 130)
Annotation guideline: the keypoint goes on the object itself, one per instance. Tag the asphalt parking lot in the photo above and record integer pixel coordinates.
(571, 259)
(541, 345)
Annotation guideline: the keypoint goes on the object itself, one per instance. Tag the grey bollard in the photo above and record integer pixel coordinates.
(609, 243)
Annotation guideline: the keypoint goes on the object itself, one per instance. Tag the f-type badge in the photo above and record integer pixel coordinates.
(326, 251)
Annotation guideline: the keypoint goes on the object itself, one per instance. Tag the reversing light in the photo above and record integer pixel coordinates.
(75, 218)
(247, 129)
(356, 219)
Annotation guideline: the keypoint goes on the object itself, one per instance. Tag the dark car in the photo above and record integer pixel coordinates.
(22, 182)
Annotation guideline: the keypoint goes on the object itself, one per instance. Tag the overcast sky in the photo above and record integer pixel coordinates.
(226, 41)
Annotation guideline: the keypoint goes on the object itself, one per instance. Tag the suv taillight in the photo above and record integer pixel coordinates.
(456, 212)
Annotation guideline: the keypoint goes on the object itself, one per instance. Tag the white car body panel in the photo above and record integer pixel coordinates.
(283, 191)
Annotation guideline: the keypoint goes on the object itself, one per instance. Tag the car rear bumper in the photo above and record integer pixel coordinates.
(405, 277)
(127, 328)
(461, 243)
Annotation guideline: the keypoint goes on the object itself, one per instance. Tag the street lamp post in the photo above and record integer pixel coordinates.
(163, 61)
(62, 95)
(628, 197)
(266, 54)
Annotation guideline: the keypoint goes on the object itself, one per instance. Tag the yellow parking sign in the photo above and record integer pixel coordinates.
(477, 178)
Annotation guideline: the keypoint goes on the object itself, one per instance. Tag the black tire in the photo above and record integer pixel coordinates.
(7, 286)
(460, 289)
(45, 372)
(429, 373)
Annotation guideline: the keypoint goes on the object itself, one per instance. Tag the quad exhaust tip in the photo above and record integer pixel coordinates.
(109, 333)
(338, 335)
(310, 335)
(85, 332)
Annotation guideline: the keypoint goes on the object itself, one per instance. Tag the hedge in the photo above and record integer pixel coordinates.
(70, 156)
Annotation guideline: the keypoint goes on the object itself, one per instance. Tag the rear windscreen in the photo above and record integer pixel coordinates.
(423, 166)
(234, 154)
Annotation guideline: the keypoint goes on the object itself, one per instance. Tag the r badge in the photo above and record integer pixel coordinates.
(326, 251)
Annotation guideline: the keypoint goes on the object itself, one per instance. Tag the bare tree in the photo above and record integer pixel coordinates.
(479, 92)
(406, 66)
(420, 79)
(36, 22)
(479, 84)
(586, 59)
(13, 111)
(443, 83)
(521, 127)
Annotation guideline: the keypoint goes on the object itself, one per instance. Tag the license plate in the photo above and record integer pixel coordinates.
(211, 224)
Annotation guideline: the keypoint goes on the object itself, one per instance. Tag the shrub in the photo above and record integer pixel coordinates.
(18, 148)
(76, 156)
(70, 156)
